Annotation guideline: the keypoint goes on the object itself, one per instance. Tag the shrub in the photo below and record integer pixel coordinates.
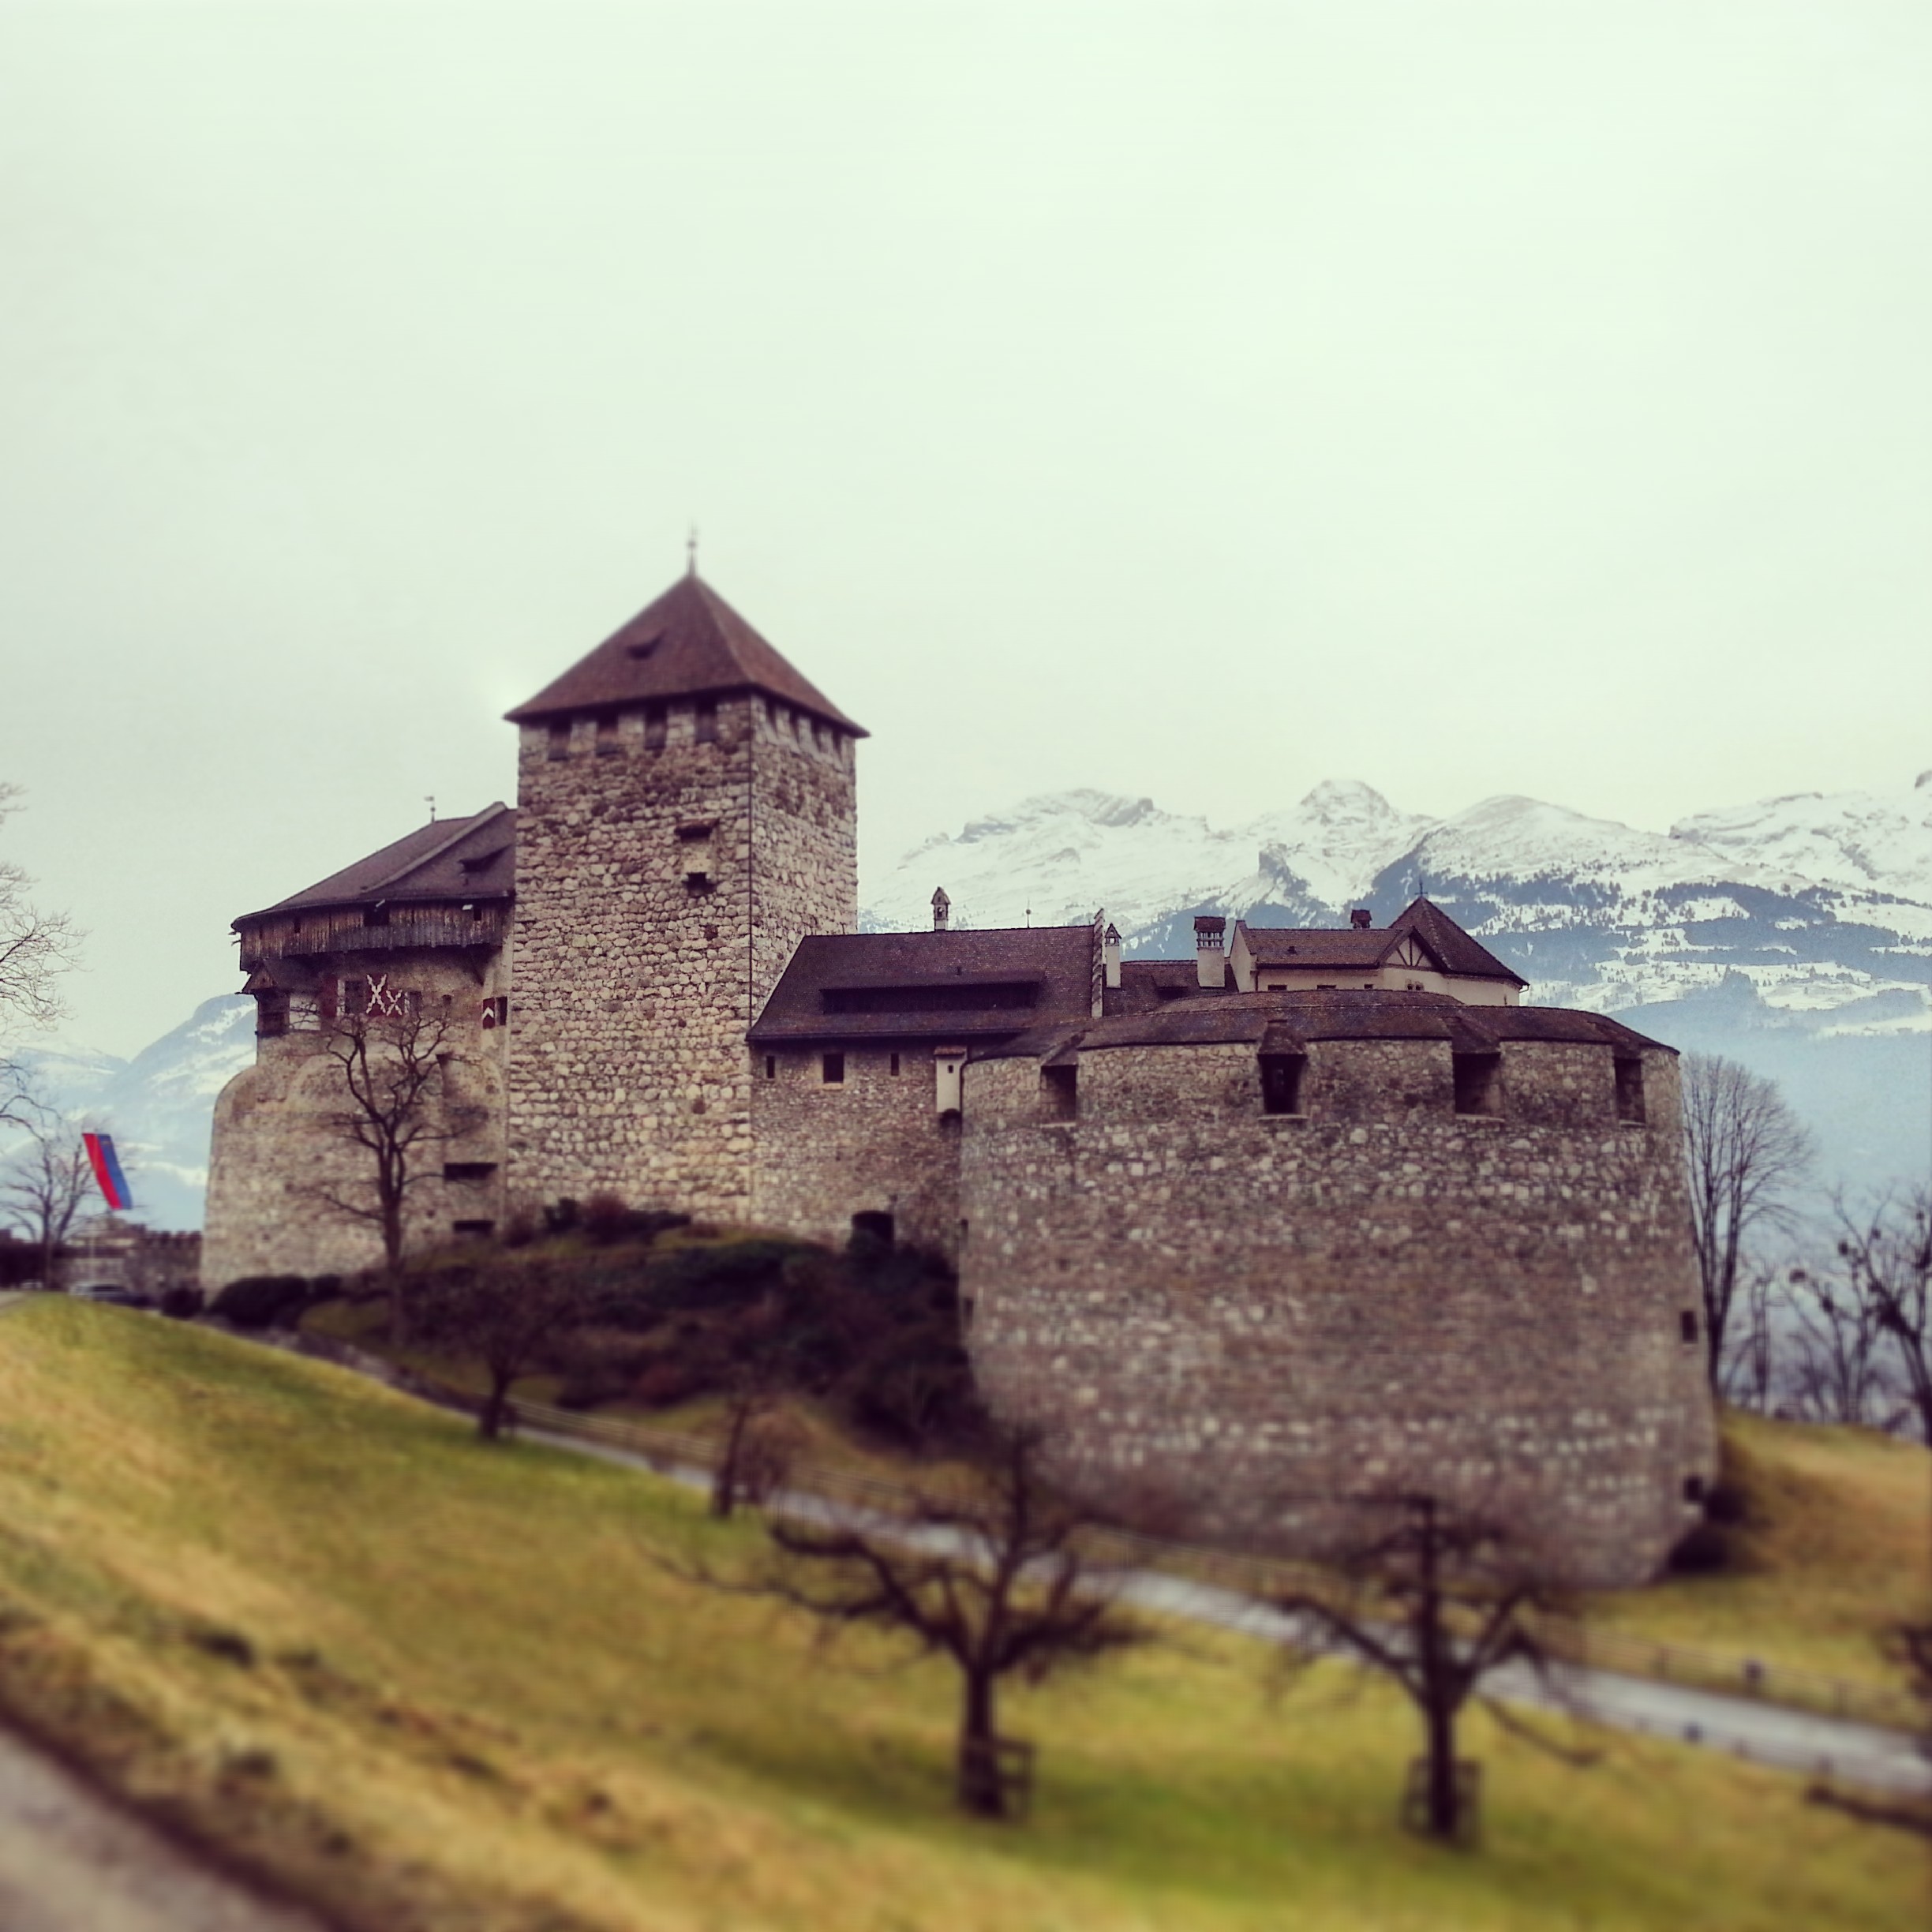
(260, 1301)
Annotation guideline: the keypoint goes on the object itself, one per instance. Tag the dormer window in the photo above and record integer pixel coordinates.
(640, 648)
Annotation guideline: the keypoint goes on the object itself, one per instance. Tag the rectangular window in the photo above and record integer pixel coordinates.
(560, 739)
(1281, 1083)
(1688, 1326)
(832, 1070)
(654, 727)
(1478, 1083)
(468, 1170)
(895, 1065)
(355, 996)
(706, 724)
(1630, 1094)
(607, 735)
(1061, 1086)
(271, 1015)
(771, 1066)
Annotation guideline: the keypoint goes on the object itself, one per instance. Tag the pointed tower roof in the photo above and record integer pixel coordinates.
(689, 643)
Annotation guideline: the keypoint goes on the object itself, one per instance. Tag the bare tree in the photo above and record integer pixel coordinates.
(502, 1309)
(1887, 1256)
(1747, 1152)
(1836, 1343)
(994, 1577)
(43, 1188)
(34, 948)
(1435, 1599)
(397, 1106)
(1752, 1358)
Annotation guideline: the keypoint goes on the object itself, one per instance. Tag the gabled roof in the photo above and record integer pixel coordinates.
(1458, 952)
(1360, 948)
(690, 643)
(939, 986)
(464, 859)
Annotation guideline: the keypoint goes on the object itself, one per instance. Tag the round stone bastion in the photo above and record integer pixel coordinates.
(1261, 1267)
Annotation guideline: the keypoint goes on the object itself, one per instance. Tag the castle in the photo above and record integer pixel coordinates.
(1314, 1214)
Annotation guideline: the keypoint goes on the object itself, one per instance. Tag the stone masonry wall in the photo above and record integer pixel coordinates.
(276, 1142)
(628, 1069)
(873, 1143)
(1229, 1315)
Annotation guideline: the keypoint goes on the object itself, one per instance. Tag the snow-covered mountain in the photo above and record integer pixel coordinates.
(158, 1105)
(1795, 934)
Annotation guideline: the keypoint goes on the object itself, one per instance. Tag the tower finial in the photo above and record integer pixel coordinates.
(429, 799)
(691, 552)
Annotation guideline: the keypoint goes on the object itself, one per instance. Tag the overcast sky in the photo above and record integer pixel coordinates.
(1191, 400)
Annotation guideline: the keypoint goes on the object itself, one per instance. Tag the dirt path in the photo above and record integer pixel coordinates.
(70, 1861)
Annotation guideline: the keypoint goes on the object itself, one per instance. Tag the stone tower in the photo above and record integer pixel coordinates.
(687, 814)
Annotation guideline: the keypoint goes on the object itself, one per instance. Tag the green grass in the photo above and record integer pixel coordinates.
(1835, 1550)
(438, 1685)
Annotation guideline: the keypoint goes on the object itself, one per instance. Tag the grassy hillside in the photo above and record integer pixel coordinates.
(1834, 1549)
(439, 1685)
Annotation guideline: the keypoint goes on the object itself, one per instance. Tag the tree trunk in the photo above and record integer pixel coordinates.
(490, 1421)
(1444, 1815)
(724, 1482)
(979, 1789)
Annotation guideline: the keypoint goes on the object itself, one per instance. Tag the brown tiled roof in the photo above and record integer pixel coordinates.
(690, 643)
(1458, 952)
(473, 858)
(1346, 948)
(1362, 948)
(1145, 983)
(937, 986)
(1283, 1022)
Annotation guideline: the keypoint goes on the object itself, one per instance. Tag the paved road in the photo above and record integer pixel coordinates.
(72, 1861)
(1768, 1734)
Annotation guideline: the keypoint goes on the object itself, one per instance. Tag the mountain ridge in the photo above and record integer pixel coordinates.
(1794, 933)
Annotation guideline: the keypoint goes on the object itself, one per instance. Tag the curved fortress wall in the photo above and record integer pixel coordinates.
(1225, 1312)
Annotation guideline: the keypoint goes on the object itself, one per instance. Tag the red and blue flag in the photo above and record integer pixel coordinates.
(106, 1165)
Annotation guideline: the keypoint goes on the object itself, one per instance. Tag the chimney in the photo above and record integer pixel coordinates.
(942, 909)
(1210, 962)
(1361, 918)
(1109, 954)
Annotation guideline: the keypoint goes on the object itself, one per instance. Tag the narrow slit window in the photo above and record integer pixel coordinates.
(1630, 1092)
(1479, 1084)
(895, 1066)
(1687, 1325)
(1281, 1083)
(771, 1066)
(832, 1070)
